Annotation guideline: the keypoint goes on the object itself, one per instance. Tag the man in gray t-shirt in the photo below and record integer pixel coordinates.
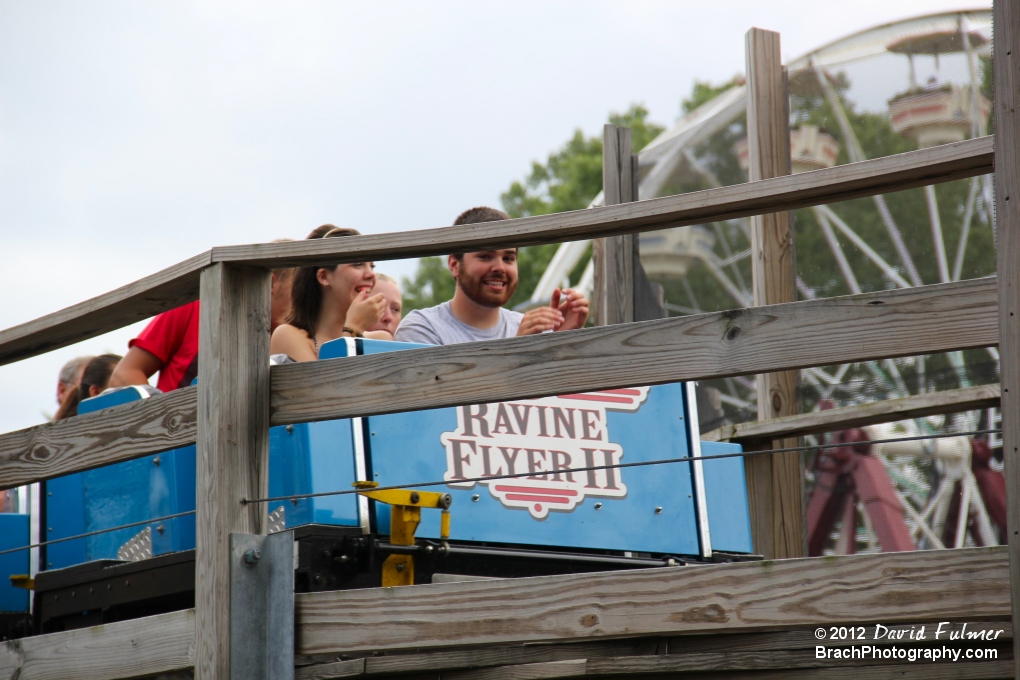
(485, 282)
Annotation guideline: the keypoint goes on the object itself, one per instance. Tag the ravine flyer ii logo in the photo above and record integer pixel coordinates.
(545, 438)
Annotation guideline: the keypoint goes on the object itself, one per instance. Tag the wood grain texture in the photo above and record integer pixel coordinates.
(881, 175)
(177, 285)
(328, 671)
(887, 411)
(774, 483)
(614, 255)
(891, 588)
(481, 657)
(159, 423)
(638, 655)
(164, 290)
(536, 671)
(977, 670)
(737, 663)
(906, 322)
(233, 444)
(127, 649)
(1006, 67)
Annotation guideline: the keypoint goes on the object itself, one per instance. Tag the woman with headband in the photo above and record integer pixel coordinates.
(329, 303)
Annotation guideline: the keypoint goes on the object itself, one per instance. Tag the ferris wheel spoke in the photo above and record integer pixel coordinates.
(742, 298)
(961, 519)
(728, 251)
(867, 250)
(804, 290)
(968, 216)
(936, 233)
(857, 154)
(837, 251)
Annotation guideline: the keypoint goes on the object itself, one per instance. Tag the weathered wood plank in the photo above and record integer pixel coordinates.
(774, 482)
(906, 322)
(159, 423)
(169, 288)
(127, 649)
(481, 657)
(177, 285)
(976, 670)
(535, 671)
(328, 671)
(233, 445)
(1006, 67)
(891, 588)
(687, 646)
(738, 663)
(706, 346)
(613, 256)
(887, 411)
(891, 173)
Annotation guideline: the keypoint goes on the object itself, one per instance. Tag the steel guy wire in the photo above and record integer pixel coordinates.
(97, 532)
(474, 480)
(616, 466)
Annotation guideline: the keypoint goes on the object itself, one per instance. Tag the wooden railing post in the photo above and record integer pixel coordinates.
(233, 444)
(1006, 27)
(773, 482)
(614, 255)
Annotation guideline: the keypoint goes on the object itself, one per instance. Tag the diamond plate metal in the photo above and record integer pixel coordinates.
(139, 547)
(278, 520)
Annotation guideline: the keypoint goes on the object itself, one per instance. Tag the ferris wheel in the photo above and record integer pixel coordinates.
(911, 84)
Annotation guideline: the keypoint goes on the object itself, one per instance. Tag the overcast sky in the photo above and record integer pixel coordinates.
(135, 134)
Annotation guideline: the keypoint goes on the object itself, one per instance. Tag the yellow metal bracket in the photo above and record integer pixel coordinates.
(23, 581)
(405, 515)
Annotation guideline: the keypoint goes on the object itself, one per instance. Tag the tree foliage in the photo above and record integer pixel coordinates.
(570, 179)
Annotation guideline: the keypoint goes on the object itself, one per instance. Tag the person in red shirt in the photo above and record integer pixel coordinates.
(169, 344)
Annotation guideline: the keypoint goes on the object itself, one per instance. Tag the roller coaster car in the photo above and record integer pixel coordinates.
(551, 521)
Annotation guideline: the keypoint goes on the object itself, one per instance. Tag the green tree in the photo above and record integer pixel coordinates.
(569, 180)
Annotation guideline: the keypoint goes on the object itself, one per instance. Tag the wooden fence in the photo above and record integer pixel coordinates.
(239, 397)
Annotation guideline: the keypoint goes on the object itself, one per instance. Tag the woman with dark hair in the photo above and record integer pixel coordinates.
(94, 379)
(328, 303)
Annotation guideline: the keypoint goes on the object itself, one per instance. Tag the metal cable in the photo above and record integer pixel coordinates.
(98, 531)
(474, 480)
(616, 466)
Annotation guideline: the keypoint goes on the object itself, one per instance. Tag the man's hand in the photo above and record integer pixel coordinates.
(573, 307)
(540, 320)
(567, 310)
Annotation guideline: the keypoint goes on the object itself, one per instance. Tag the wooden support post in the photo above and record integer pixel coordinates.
(774, 482)
(1006, 61)
(614, 255)
(233, 444)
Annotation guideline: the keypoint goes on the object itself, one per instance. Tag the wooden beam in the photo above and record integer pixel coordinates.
(159, 423)
(908, 322)
(695, 652)
(843, 182)
(233, 444)
(164, 290)
(970, 584)
(127, 649)
(1006, 67)
(178, 285)
(740, 342)
(772, 665)
(774, 483)
(860, 415)
(613, 256)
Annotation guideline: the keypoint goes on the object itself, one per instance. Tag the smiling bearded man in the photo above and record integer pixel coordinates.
(485, 282)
